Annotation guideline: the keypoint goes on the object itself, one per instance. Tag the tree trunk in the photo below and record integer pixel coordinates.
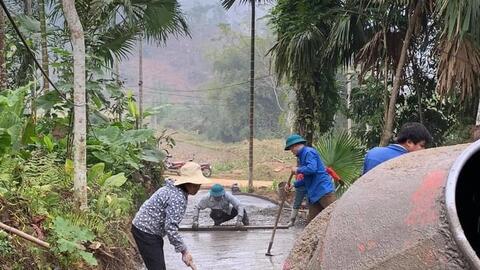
(385, 75)
(305, 113)
(418, 89)
(79, 100)
(252, 101)
(3, 76)
(140, 83)
(43, 42)
(30, 70)
(28, 7)
(349, 97)
(388, 127)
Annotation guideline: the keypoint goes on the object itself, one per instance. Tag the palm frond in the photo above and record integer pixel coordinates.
(296, 55)
(344, 154)
(227, 4)
(373, 52)
(460, 17)
(117, 43)
(162, 19)
(340, 37)
(459, 66)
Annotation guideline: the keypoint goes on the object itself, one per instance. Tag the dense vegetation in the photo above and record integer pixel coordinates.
(407, 61)
(123, 157)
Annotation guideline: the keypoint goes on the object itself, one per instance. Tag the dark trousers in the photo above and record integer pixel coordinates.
(315, 208)
(151, 248)
(220, 217)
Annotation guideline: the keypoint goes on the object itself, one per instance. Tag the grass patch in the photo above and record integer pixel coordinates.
(230, 160)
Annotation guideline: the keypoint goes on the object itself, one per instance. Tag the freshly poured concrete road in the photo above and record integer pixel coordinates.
(235, 250)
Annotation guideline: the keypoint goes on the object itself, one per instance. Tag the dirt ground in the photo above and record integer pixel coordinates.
(230, 160)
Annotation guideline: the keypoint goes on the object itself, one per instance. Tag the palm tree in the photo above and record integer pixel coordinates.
(122, 22)
(118, 24)
(227, 4)
(302, 28)
(79, 97)
(150, 20)
(459, 49)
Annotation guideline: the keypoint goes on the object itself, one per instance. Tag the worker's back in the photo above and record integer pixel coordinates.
(378, 155)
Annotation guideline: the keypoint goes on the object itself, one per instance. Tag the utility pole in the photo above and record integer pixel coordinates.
(140, 82)
(252, 100)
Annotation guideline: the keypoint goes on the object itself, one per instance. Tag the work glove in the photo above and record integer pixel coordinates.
(195, 225)
(187, 258)
(239, 223)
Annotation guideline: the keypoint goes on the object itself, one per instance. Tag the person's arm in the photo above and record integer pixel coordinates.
(299, 183)
(366, 163)
(173, 217)
(202, 204)
(236, 204)
(311, 165)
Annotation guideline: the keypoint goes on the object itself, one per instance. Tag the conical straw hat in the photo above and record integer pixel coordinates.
(191, 173)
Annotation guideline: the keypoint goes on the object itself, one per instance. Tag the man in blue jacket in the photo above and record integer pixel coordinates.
(412, 137)
(319, 184)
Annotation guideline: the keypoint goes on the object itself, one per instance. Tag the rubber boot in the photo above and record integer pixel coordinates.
(245, 219)
(293, 217)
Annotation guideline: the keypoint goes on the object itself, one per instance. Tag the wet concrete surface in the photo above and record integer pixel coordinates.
(233, 250)
(242, 250)
(259, 211)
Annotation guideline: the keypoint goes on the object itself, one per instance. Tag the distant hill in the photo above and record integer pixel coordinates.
(181, 63)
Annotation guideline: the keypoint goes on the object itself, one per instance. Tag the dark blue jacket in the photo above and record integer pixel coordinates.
(317, 181)
(378, 155)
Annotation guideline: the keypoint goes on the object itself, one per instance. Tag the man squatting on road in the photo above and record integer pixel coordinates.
(224, 207)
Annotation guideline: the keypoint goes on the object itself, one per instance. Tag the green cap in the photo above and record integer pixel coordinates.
(292, 140)
(217, 190)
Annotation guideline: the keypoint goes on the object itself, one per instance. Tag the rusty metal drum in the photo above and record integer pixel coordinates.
(418, 211)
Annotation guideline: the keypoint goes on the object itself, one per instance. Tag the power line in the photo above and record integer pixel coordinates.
(204, 89)
(186, 96)
(188, 104)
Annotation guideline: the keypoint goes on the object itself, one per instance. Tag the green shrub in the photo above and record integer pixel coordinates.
(69, 242)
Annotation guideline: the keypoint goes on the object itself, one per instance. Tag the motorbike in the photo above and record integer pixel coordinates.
(174, 166)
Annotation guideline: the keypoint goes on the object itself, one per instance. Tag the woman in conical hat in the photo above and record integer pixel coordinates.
(161, 215)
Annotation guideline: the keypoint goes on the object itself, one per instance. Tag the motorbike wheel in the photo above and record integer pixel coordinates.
(207, 172)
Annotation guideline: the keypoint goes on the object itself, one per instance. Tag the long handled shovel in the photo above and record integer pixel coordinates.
(283, 197)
